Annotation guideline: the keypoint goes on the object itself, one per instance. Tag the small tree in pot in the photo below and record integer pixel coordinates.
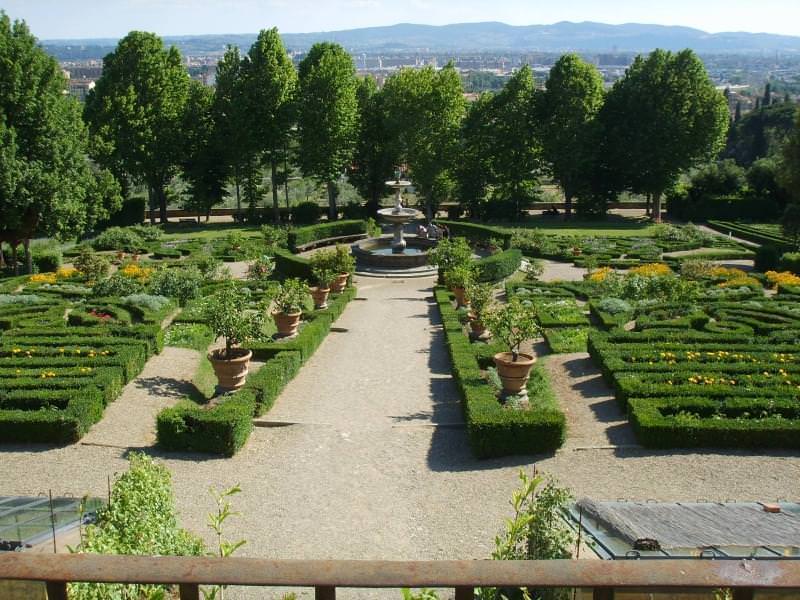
(261, 268)
(481, 297)
(227, 313)
(448, 254)
(290, 297)
(513, 324)
(323, 272)
(344, 264)
(458, 279)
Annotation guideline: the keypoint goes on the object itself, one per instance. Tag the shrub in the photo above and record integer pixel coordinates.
(140, 519)
(476, 232)
(498, 266)
(274, 237)
(460, 276)
(289, 265)
(513, 323)
(182, 283)
(20, 299)
(614, 306)
(131, 213)
(343, 261)
(305, 213)
(119, 238)
(47, 259)
(450, 253)
(323, 267)
(790, 262)
(306, 235)
(149, 233)
(261, 268)
(227, 313)
(147, 302)
(767, 258)
(117, 285)
(291, 296)
(91, 266)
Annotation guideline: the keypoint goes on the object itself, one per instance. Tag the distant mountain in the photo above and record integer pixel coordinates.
(490, 36)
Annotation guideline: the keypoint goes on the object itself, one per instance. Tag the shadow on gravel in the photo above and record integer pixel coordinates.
(166, 386)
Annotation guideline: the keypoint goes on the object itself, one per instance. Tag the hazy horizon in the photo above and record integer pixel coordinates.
(86, 19)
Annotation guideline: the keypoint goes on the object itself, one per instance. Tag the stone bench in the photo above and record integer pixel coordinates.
(342, 239)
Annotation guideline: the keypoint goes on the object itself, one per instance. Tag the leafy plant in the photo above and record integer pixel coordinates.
(481, 296)
(117, 285)
(119, 238)
(423, 594)
(323, 267)
(216, 521)
(188, 335)
(226, 313)
(460, 276)
(450, 253)
(291, 296)
(91, 266)
(181, 283)
(513, 323)
(274, 237)
(261, 268)
(206, 263)
(343, 261)
(614, 306)
(19, 299)
(140, 519)
(147, 301)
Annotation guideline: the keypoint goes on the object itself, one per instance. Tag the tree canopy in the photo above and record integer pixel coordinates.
(136, 109)
(327, 116)
(47, 183)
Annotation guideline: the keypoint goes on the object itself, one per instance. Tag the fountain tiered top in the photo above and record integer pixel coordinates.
(398, 214)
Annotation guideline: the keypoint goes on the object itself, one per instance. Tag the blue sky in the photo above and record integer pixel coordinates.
(113, 18)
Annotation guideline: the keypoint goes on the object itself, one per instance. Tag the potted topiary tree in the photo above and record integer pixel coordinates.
(481, 296)
(261, 269)
(290, 297)
(448, 254)
(344, 264)
(323, 272)
(513, 324)
(226, 313)
(458, 279)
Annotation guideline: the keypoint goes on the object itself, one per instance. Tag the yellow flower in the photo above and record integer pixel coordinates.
(600, 274)
(651, 270)
(43, 278)
(66, 272)
(782, 278)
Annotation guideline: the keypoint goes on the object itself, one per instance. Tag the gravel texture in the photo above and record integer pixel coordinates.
(366, 473)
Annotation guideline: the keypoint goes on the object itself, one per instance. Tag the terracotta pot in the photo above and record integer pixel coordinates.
(320, 296)
(514, 374)
(135, 258)
(478, 328)
(338, 284)
(231, 373)
(287, 324)
(461, 296)
(120, 255)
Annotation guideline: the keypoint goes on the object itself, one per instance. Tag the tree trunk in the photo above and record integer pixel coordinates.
(276, 208)
(151, 201)
(238, 195)
(567, 204)
(647, 205)
(28, 257)
(657, 207)
(333, 212)
(162, 204)
(14, 258)
(2, 257)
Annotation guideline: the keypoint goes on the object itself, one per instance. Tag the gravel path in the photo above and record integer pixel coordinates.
(366, 473)
(561, 271)
(129, 421)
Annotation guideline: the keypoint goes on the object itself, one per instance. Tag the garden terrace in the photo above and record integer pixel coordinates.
(768, 235)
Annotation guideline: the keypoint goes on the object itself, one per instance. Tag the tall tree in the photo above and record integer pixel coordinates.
(375, 157)
(137, 107)
(327, 116)
(790, 164)
(569, 104)
(203, 165)
(473, 171)
(662, 117)
(270, 83)
(231, 117)
(425, 109)
(47, 183)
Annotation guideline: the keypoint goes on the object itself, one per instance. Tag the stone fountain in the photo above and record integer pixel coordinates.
(398, 216)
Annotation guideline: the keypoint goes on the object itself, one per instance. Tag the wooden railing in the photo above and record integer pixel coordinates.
(744, 577)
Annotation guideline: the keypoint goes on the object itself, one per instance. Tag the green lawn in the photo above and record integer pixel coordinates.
(613, 225)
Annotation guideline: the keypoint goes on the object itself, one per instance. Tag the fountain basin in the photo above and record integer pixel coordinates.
(377, 253)
(399, 216)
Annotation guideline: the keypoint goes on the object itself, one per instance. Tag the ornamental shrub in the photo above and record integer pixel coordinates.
(119, 238)
(19, 299)
(261, 268)
(117, 285)
(182, 283)
(47, 259)
(450, 253)
(513, 324)
(767, 258)
(791, 262)
(227, 313)
(91, 266)
(291, 296)
(147, 301)
(614, 306)
(305, 213)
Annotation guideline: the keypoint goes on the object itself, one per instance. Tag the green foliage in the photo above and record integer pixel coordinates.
(767, 258)
(513, 323)
(481, 296)
(216, 521)
(343, 261)
(189, 335)
(423, 594)
(91, 266)
(614, 306)
(305, 213)
(568, 107)
(119, 238)
(450, 253)
(790, 262)
(323, 267)
(306, 235)
(498, 266)
(289, 265)
(19, 299)
(460, 276)
(117, 285)
(291, 296)
(261, 268)
(47, 184)
(140, 519)
(327, 119)
(228, 315)
(181, 283)
(47, 259)
(274, 237)
(130, 213)
(150, 302)
(790, 223)
(136, 111)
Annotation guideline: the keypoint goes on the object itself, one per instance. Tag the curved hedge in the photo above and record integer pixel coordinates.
(475, 232)
(306, 235)
(498, 266)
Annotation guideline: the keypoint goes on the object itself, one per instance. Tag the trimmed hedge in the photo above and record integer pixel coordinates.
(287, 265)
(494, 430)
(476, 233)
(498, 266)
(751, 234)
(313, 233)
(225, 428)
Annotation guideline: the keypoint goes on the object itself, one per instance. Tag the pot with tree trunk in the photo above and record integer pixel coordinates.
(458, 279)
(227, 313)
(290, 298)
(513, 324)
(481, 296)
(323, 273)
(344, 265)
(448, 254)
